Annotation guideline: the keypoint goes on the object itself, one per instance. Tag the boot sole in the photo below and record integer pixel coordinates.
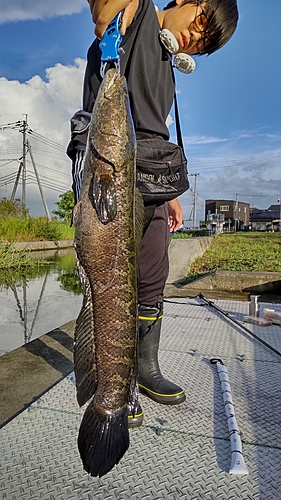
(135, 421)
(164, 399)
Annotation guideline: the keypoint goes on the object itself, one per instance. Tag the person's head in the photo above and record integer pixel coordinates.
(201, 27)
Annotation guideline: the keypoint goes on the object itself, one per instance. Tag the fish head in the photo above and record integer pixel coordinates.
(112, 133)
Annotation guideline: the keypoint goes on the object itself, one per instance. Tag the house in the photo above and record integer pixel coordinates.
(227, 214)
(266, 220)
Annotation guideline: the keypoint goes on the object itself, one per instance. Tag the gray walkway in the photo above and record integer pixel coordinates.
(180, 452)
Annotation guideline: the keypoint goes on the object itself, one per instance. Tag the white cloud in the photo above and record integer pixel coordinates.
(191, 139)
(49, 106)
(247, 163)
(23, 10)
(226, 165)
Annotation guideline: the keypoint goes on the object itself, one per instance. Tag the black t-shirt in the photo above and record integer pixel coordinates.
(148, 70)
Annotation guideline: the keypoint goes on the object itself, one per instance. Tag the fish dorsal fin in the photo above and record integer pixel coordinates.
(104, 196)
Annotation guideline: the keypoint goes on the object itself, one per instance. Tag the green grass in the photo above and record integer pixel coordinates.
(14, 229)
(240, 252)
(16, 262)
(190, 234)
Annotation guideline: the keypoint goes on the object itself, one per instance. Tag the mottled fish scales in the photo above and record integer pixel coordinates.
(108, 228)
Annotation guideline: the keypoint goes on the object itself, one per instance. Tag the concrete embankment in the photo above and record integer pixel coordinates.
(220, 284)
(38, 246)
(230, 285)
(29, 371)
(182, 252)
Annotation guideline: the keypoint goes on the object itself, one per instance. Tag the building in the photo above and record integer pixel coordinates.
(227, 215)
(266, 220)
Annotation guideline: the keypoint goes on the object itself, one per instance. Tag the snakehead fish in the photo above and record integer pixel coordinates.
(108, 229)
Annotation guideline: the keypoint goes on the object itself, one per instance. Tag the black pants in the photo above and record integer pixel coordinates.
(153, 266)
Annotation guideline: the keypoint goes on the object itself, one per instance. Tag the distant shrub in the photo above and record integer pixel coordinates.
(34, 229)
(46, 230)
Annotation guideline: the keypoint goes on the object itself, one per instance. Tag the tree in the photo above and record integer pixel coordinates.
(65, 206)
(9, 208)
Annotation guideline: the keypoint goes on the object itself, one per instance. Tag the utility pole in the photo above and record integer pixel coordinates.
(38, 181)
(23, 127)
(236, 212)
(24, 151)
(16, 183)
(194, 210)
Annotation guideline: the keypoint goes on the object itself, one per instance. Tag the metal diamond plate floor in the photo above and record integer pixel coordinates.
(180, 452)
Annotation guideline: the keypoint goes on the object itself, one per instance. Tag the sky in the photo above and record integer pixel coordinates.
(229, 106)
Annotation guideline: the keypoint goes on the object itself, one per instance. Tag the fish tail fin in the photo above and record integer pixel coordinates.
(103, 439)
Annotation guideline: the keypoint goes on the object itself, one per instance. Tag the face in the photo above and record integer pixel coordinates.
(187, 23)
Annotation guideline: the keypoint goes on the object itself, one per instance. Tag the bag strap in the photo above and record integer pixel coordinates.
(177, 117)
(178, 127)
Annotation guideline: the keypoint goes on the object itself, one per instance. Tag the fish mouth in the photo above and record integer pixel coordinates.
(111, 77)
(111, 80)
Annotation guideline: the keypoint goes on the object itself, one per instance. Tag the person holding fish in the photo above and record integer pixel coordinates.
(191, 27)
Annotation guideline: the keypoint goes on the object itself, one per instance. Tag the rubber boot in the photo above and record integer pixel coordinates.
(151, 381)
(136, 419)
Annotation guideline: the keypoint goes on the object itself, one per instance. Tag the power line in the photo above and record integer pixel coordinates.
(24, 177)
(22, 126)
(9, 151)
(53, 170)
(8, 181)
(10, 125)
(239, 162)
(52, 188)
(8, 162)
(50, 154)
(46, 141)
(49, 183)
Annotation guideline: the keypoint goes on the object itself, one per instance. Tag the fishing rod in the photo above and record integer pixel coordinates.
(227, 315)
(237, 461)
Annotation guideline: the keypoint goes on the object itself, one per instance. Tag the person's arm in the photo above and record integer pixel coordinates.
(175, 214)
(103, 11)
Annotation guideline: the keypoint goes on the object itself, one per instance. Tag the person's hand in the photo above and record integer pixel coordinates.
(103, 11)
(175, 214)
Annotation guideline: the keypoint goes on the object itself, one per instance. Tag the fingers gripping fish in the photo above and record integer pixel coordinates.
(108, 229)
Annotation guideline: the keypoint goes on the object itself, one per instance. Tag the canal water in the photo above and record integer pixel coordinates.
(36, 302)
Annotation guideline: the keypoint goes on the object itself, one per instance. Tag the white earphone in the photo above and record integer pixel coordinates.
(183, 62)
(169, 41)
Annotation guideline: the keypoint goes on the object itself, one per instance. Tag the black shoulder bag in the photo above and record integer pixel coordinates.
(161, 167)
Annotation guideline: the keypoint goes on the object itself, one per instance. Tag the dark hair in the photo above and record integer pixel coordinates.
(222, 20)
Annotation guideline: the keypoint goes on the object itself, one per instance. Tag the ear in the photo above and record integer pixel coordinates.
(179, 2)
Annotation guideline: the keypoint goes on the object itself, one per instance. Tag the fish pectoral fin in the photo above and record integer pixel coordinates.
(103, 439)
(104, 196)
